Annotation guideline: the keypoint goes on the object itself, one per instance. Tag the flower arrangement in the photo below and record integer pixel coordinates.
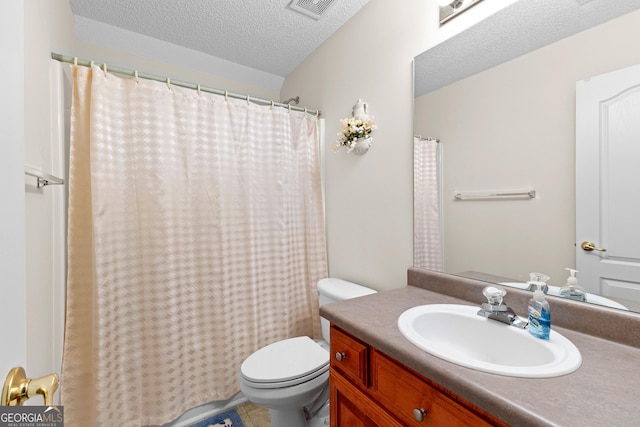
(352, 130)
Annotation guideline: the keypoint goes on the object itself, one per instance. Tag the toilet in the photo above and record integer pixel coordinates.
(291, 377)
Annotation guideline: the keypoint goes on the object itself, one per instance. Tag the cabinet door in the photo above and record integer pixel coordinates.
(403, 392)
(350, 407)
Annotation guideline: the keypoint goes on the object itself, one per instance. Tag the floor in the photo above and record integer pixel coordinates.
(253, 415)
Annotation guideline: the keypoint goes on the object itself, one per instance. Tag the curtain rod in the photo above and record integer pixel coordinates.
(421, 138)
(135, 73)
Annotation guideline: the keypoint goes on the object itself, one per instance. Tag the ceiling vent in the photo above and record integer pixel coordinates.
(312, 8)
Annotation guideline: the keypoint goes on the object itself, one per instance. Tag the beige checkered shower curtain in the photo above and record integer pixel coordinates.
(196, 236)
(427, 238)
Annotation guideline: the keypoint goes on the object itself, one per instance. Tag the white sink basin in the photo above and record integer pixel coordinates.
(457, 334)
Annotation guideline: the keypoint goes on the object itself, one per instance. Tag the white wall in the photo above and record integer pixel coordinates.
(100, 34)
(510, 127)
(368, 198)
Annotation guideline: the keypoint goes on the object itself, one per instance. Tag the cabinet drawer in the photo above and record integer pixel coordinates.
(401, 391)
(349, 356)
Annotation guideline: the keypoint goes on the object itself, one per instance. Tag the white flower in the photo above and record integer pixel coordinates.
(352, 130)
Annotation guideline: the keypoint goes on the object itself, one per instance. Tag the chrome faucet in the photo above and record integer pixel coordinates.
(495, 309)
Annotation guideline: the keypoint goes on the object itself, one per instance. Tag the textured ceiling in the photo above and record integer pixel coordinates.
(262, 34)
(517, 29)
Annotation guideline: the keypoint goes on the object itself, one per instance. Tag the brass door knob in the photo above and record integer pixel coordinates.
(18, 388)
(590, 246)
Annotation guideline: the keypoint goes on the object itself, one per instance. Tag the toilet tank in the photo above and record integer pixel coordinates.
(331, 290)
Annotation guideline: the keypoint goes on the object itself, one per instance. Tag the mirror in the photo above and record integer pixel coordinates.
(501, 98)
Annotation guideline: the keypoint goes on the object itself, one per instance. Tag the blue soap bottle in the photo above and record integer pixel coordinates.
(539, 316)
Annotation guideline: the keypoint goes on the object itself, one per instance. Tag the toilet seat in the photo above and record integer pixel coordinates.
(285, 363)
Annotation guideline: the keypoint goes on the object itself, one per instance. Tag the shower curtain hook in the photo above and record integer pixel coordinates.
(91, 64)
(75, 61)
(169, 84)
(104, 69)
(272, 104)
(198, 88)
(289, 108)
(135, 74)
(226, 95)
(248, 99)
(305, 110)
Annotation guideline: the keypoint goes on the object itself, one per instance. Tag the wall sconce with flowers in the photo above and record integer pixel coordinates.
(356, 130)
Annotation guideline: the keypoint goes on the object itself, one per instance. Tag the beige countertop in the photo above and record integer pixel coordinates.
(602, 392)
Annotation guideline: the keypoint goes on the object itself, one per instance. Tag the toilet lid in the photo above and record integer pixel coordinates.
(285, 360)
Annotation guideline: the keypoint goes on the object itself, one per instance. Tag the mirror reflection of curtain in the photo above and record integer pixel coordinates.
(196, 236)
(427, 246)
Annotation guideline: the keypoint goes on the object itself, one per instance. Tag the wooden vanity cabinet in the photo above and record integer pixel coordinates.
(368, 388)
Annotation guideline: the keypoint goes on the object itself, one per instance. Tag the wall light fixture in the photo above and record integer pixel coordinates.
(452, 8)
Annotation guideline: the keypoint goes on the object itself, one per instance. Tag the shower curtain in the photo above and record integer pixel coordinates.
(196, 236)
(427, 245)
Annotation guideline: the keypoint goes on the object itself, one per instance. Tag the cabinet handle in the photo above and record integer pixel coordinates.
(341, 356)
(419, 414)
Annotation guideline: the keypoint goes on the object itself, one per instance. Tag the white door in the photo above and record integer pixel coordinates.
(13, 297)
(608, 183)
(32, 221)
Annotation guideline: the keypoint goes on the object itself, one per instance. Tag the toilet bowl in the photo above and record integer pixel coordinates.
(291, 377)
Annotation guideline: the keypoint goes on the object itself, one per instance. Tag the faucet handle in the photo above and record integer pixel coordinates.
(494, 294)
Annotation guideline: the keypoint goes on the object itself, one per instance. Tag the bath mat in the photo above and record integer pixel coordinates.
(226, 419)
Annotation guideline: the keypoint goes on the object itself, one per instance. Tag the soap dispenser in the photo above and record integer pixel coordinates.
(539, 315)
(538, 281)
(571, 289)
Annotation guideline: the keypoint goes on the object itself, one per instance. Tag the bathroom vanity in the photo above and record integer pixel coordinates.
(367, 386)
(379, 378)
